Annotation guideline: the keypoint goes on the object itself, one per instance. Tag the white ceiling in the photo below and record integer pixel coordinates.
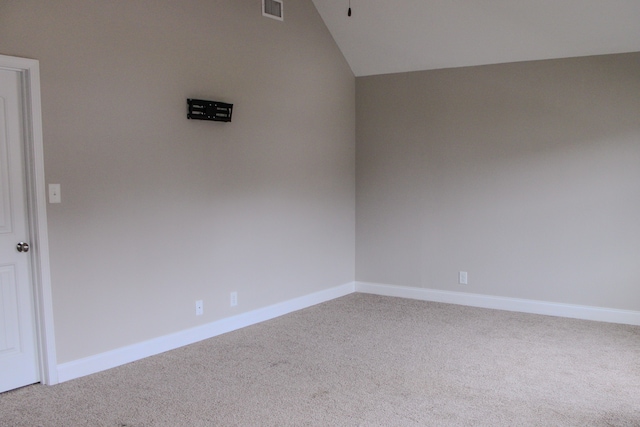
(388, 36)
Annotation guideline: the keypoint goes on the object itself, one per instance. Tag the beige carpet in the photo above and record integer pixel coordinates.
(365, 360)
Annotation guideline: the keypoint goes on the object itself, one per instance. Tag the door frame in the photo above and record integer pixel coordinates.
(29, 70)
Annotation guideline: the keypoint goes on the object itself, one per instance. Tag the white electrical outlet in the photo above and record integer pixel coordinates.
(234, 299)
(199, 308)
(462, 278)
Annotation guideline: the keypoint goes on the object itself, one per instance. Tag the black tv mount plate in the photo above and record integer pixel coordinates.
(201, 109)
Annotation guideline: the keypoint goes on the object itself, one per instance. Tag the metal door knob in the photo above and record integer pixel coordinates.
(22, 247)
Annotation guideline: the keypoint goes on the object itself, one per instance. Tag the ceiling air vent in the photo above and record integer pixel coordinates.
(272, 9)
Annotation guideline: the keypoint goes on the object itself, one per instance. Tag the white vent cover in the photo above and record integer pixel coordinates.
(272, 9)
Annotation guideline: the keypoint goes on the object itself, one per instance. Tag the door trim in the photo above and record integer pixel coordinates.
(29, 70)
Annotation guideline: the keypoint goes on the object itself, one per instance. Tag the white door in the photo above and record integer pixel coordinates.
(18, 349)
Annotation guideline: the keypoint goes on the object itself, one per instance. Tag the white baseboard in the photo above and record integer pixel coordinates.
(111, 359)
(600, 314)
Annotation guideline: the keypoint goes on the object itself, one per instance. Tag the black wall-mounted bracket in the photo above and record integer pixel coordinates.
(200, 109)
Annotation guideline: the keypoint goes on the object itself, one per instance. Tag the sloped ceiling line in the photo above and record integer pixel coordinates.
(383, 36)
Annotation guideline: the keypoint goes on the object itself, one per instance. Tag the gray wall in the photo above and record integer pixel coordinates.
(526, 175)
(159, 211)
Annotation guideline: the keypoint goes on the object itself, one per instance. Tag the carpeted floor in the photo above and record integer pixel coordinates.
(365, 360)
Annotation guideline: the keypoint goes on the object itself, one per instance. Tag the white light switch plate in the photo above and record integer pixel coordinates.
(54, 193)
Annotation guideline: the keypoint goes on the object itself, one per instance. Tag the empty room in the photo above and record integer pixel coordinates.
(319, 212)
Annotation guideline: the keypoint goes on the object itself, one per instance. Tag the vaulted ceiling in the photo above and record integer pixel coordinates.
(388, 36)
